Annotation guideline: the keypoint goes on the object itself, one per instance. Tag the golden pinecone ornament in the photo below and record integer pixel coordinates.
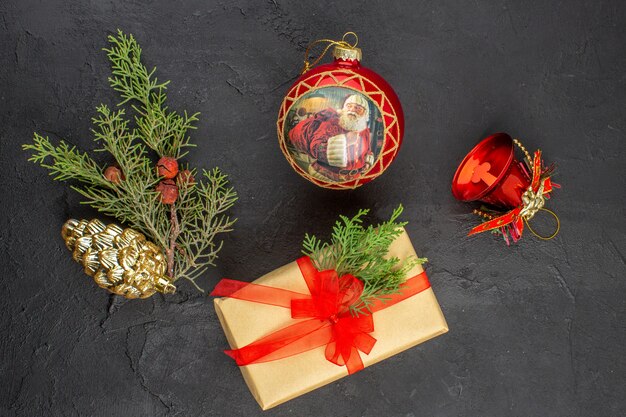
(119, 260)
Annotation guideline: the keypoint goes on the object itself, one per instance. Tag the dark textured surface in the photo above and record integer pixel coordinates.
(535, 330)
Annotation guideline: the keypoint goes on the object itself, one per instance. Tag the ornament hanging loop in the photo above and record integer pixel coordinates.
(356, 39)
(553, 235)
(330, 43)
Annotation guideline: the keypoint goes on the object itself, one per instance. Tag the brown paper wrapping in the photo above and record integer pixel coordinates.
(397, 328)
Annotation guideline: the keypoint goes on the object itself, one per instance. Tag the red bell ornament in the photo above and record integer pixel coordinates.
(490, 173)
(340, 124)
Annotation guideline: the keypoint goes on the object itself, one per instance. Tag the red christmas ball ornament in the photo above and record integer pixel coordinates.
(340, 124)
(167, 167)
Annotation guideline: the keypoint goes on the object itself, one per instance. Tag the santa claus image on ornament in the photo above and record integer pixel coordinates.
(331, 133)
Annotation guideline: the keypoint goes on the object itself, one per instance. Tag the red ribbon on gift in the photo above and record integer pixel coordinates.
(323, 317)
(513, 217)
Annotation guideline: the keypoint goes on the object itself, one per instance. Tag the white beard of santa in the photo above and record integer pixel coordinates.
(351, 121)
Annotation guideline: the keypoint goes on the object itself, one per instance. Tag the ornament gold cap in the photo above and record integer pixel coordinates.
(343, 50)
(347, 53)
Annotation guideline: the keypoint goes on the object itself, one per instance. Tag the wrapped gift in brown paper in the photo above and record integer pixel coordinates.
(397, 328)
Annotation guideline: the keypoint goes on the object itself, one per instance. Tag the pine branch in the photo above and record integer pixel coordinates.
(362, 252)
(163, 131)
(65, 162)
(186, 230)
(201, 220)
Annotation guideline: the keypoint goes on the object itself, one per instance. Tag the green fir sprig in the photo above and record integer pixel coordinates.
(162, 130)
(187, 230)
(362, 252)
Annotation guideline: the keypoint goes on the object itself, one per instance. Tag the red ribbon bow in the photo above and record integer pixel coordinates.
(323, 316)
(513, 216)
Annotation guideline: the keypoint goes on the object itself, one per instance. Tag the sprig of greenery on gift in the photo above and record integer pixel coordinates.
(362, 252)
(181, 213)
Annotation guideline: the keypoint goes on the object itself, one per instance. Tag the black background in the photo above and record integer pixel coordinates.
(536, 329)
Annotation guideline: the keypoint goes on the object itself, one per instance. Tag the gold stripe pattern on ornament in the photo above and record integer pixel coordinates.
(119, 260)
